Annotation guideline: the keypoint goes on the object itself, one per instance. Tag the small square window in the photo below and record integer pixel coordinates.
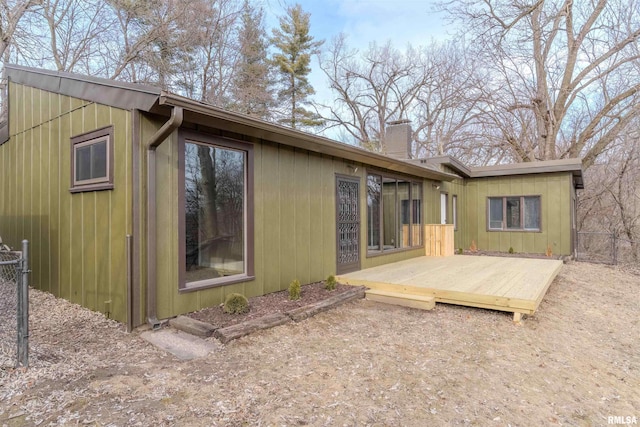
(92, 160)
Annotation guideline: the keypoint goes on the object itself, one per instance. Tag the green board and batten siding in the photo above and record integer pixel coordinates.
(294, 223)
(78, 241)
(554, 189)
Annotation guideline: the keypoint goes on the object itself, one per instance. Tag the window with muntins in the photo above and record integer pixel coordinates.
(394, 213)
(92, 160)
(216, 213)
(513, 213)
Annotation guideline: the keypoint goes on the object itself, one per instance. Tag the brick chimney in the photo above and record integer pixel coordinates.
(398, 139)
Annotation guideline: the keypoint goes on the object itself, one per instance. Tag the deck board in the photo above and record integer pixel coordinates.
(501, 283)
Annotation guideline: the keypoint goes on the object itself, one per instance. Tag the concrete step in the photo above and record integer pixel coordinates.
(181, 344)
(396, 298)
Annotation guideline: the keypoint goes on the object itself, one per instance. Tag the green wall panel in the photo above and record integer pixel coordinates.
(302, 209)
(72, 236)
(316, 223)
(270, 220)
(294, 221)
(327, 187)
(554, 190)
(78, 240)
(285, 164)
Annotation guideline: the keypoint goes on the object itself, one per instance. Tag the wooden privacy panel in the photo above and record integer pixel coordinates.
(438, 240)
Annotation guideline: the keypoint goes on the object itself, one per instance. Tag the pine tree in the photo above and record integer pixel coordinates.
(251, 90)
(295, 47)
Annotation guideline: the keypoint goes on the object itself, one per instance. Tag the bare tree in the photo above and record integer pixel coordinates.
(11, 13)
(208, 72)
(10, 16)
(74, 29)
(446, 112)
(611, 200)
(371, 89)
(133, 35)
(561, 71)
(167, 34)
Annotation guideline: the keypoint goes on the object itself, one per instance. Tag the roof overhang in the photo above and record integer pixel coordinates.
(455, 164)
(132, 96)
(104, 91)
(205, 114)
(526, 168)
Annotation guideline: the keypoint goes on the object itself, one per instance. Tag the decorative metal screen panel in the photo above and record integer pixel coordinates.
(348, 225)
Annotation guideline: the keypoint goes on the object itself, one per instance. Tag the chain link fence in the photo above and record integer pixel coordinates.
(14, 307)
(606, 248)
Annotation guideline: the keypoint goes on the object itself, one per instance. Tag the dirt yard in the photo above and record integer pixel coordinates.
(575, 363)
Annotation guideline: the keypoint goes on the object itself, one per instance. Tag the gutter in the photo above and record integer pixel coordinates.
(174, 122)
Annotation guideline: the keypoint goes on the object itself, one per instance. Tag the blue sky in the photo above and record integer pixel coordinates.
(365, 21)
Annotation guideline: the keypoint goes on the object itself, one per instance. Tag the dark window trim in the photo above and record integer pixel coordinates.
(248, 275)
(412, 180)
(107, 182)
(504, 208)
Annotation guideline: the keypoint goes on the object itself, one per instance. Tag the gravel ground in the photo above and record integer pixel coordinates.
(8, 309)
(575, 362)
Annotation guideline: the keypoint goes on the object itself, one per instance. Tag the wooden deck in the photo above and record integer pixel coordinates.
(515, 285)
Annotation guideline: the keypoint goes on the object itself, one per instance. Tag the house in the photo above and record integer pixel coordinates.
(144, 205)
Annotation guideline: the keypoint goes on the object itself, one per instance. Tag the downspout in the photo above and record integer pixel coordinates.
(158, 138)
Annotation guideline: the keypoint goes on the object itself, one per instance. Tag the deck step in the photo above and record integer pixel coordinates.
(413, 301)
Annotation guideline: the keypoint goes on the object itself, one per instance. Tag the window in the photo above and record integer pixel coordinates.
(514, 213)
(92, 160)
(444, 201)
(454, 211)
(416, 210)
(218, 232)
(374, 204)
(394, 213)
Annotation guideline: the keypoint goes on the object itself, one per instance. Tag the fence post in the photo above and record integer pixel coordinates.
(23, 307)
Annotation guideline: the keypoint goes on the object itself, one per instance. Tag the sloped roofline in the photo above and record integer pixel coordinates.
(132, 96)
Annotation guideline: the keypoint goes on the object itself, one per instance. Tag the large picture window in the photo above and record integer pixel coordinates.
(216, 203)
(92, 160)
(514, 213)
(394, 213)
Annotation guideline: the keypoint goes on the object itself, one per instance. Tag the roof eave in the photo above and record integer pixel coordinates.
(295, 138)
(126, 96)
(451, 162)
(529, 168)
